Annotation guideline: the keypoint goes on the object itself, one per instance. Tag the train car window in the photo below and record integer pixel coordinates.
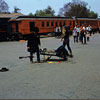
(73, 24)
(42, 24)
(47, 24)
(56, 24)
(70, 23)
(60, 24)
(64, 23)
(52, 23)
(32, 25)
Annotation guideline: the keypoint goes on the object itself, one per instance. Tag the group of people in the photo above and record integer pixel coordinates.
(81, 33)
(33, 42)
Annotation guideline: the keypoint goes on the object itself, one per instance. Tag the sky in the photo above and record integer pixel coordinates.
(30, 6)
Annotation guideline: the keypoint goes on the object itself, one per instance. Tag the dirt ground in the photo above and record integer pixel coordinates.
(77, 78)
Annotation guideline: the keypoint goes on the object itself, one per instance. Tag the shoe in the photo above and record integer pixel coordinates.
(31, 62)
(71, 56)
(40, 61)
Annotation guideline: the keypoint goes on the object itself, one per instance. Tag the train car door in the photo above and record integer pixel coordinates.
(73, 23)
(32, 25)
(17, 27)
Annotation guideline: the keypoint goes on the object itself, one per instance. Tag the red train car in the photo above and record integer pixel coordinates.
(87, 21)
(26, 24)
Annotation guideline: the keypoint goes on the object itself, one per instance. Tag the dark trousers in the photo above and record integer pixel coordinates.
(83, 38)
(74, 37)
(77, 37)
(87, 38)
(38, 55)
(66, 42)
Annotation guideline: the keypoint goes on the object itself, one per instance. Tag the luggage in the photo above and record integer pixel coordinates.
(62, 52)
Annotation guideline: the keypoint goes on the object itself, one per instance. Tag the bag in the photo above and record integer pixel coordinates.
(61, 52)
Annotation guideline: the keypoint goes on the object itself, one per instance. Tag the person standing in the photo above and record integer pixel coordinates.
(77, 30)
(81, 31)
(74, 35)
(33, 45)
(65, 38)
(84, 35)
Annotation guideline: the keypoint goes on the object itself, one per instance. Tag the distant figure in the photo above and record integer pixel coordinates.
(74, 35)
(77, 30)
(88, 33)
(33, 45)
(88, 36)
(65, 38)
(82, 34)
(90, 29)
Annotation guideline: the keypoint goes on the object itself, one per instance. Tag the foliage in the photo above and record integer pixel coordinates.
(30, 14)
(92, 14)
(46, 12)
(77, 8)
(3, 7)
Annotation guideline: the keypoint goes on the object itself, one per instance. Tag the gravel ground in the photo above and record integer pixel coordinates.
(77, 78)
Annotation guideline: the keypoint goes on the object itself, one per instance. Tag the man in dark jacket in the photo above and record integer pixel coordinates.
(33, 45)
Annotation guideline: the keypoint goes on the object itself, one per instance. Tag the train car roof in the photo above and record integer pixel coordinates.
(18, 18)
(10, 15)
(37, 17)
(87, 18)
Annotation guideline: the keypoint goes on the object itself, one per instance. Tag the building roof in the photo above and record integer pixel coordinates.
(10, 15)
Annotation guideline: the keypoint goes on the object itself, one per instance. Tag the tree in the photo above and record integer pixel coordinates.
(30, 14)
(46, 12)
(92, 14)
(49, 11)
(4, 8)
(76, 8)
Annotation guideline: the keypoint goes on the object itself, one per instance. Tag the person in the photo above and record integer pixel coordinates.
(81, 31)
(77, 30)
(84, 35)
(33, 44)
(88, 36)
(74, 35)
(65, 38)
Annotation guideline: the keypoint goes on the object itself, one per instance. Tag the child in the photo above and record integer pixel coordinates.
(88, 36)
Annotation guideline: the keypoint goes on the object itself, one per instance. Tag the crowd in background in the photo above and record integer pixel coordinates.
(80, 33)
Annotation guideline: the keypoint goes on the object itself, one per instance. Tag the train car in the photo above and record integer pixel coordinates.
(20, 26)
(88, 21)
(26, 24)
(5, 27)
